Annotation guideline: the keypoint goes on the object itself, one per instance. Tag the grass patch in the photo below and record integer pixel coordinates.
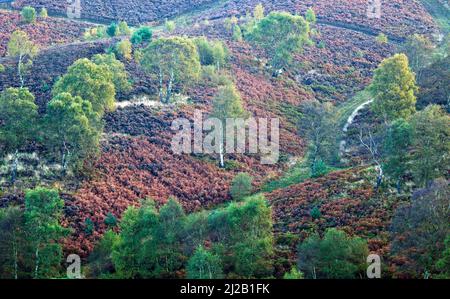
(295, 175)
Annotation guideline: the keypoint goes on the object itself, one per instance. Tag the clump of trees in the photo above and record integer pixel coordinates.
(406, 142)
(212, 53)
(420, 228)
(18, 128)
(156, 243)
(431, 145)
(281, 35)
(31, 246)
(72, 124)
(116, 68)
(410, 144)
(336, 256)
(90, 81)
(173, 61)
(72, 130)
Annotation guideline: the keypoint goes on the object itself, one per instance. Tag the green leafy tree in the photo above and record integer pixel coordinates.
(28, 14)
(315, 213)
(100, 260)
(72, 130)
(43, 212)
(397, 146)
(116, 68)
(434, 82)
(204, 265)
(131, 256)
(393, 88)
(319, 168)
(173, 61)
(168, 238)
(281, 35)
(336, 256)
(252, 237)
(12, 235)
(318, 125)
(419, 50)
(241, 186)
(88, 227)
(431, 145)
(227, 104)
(25, 50)
(91, 82)
(19, 115)
(2, 68)
(443, 264)
(195, 231)
(150, 244)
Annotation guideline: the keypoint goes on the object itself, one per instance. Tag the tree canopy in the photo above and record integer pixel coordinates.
(393, 88)
(91, 82)
(281, 35)
(172, 61)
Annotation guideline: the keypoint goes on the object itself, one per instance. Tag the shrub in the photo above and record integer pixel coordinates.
(143, 34)
(382, 38)
(28, 14)
(88, 226)
(43, 13)
(237, 33)
(241, 186)
(123, 49)
(319, 168)
(110, 220)
(170, 26)
(124, 29)
(315, 213)
(294, 274)
(113, 30)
